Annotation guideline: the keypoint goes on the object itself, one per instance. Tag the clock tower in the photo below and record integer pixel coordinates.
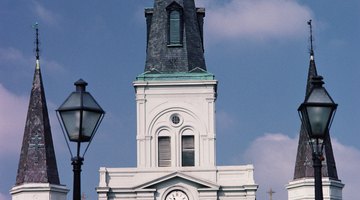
(175, 105)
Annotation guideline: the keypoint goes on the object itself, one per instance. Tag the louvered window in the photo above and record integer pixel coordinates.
(164, 152)
(175, 27)
(188, 151)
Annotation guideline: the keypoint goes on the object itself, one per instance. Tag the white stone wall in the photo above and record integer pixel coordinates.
(304, 189)
(225, 182)
(39, 191)
(193, 101)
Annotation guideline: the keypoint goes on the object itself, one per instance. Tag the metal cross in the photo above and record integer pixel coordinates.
(83, 196)
(36, 144)
(307, 162)
(271, 192)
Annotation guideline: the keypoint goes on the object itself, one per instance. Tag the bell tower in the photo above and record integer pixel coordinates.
(175, 95)
(175, 106)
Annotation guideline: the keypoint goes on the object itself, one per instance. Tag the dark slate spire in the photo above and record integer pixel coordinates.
(37, 159)
(303, 164)
(175, 37)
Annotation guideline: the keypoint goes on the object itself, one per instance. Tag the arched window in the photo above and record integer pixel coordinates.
(164, 148)
(164, 151)
(175, 24)
(187, 150)
(175, 27)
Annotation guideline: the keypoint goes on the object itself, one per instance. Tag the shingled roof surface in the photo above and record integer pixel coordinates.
(188, 55)
(37, 158)
(304, 163)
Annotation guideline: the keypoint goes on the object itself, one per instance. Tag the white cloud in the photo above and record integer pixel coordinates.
(347, 160)
(13, 111)
(273, 156)
(13, 60)
(47, 16)
(12, 121)
(12, 55)
(224, 120)
(16, 60)
(13, 107)
(255, 19)
(52, 65)
(3, 197)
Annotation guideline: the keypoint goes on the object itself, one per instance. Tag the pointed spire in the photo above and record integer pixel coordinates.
(174, 37)
(303, 165)
(37, 43)
(37, 159)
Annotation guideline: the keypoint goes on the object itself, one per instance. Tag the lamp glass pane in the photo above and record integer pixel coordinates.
(71, 120)
(72, 101)
(89, 102)
(319, 95)
(319, 117)
(90, 120)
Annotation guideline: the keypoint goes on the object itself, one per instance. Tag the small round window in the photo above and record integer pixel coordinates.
(175, 119)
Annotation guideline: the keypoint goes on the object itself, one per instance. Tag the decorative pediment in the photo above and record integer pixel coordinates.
(174, 6)
(198, 70)
(153, 71)
(202, 183)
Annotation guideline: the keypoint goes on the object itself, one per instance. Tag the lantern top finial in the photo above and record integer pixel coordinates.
(318, 94)
(80, 85)
(317, 81)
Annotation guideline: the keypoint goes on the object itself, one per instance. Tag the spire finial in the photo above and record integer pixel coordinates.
(271, 192)
(311, 40)
(36, 27)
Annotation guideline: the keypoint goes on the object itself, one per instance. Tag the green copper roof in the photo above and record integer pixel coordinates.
(148, 76)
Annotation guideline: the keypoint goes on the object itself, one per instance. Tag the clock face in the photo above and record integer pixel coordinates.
(177, 195)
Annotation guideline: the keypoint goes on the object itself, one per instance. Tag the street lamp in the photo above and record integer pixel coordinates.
(316, 114)
(80, 116)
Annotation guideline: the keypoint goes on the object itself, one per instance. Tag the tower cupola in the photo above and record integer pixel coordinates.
(174, 37)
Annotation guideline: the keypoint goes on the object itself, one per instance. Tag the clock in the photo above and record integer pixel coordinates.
(177, 195)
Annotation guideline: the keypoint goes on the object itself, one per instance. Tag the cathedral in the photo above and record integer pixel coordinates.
(176, 132)
(176, 135)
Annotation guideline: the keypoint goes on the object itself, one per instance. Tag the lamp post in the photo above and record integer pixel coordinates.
(80, 116)
(316, 114)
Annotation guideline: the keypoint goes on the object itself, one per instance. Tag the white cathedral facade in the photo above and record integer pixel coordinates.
(176, 129)
(176, 133)
(176, 148)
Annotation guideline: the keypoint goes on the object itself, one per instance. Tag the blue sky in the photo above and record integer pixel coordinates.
(257, 49)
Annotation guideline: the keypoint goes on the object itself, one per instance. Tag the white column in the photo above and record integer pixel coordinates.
(141, 127)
